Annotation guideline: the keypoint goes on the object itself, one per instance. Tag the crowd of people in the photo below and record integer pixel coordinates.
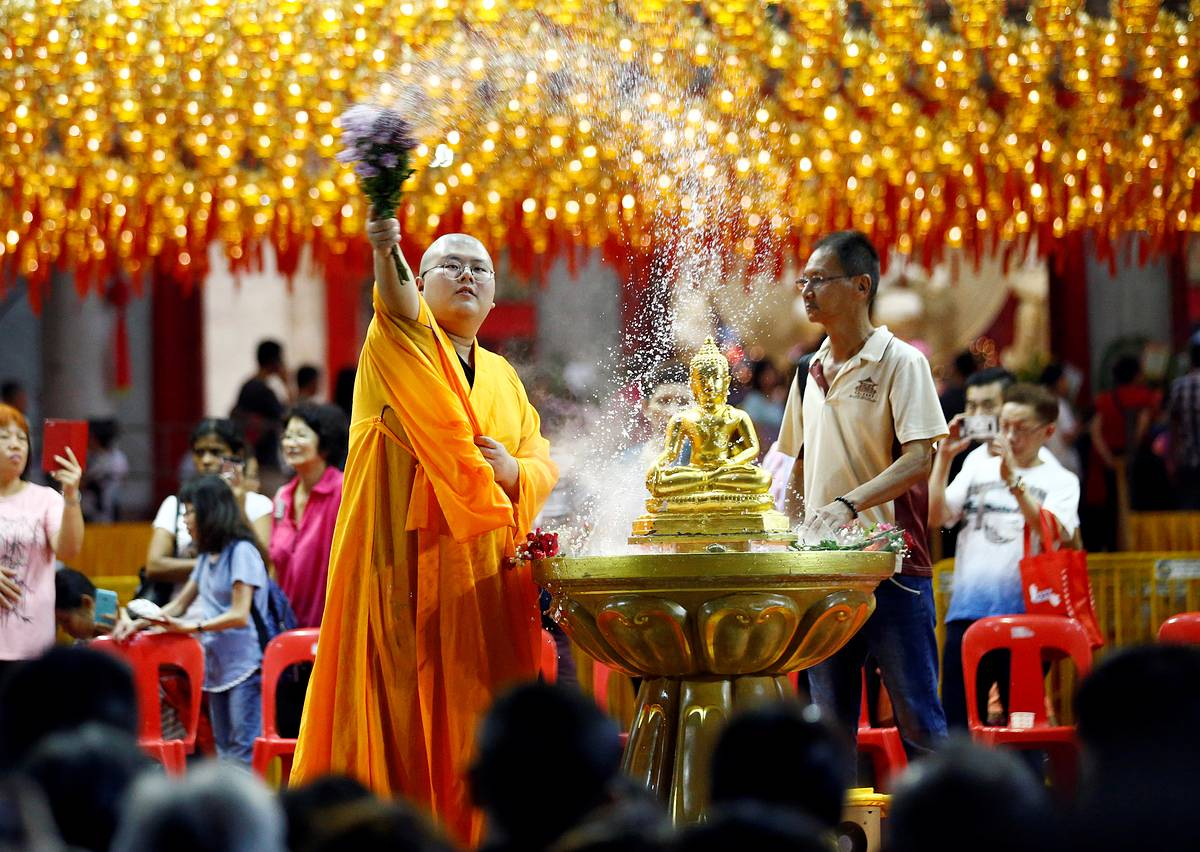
(546, 773)
(403, 562)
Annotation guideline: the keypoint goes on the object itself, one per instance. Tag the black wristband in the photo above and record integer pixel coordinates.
(846, 502)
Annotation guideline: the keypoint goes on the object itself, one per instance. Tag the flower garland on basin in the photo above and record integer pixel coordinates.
(876, 538)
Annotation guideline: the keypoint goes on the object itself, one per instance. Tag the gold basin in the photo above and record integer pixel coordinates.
(707, 632)
(713, 614)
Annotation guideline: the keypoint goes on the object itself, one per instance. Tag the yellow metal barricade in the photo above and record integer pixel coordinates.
(110, 549)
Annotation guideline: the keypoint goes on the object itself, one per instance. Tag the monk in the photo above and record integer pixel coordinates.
(425, 618)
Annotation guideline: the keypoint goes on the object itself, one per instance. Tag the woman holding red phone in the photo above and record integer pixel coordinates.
(37, 524)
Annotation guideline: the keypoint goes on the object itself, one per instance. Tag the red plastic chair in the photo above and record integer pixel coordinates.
(286, 649)
(1031, 640)
(146, 653)
(549, 663)
(1183, 629)
(882, 745)
(600, 675)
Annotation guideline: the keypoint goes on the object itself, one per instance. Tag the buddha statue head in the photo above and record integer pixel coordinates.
(709, 375)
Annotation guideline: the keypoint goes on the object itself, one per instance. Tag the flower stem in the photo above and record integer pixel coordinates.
(401, 269)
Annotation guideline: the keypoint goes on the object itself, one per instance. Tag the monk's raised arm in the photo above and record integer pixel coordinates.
(399, 297)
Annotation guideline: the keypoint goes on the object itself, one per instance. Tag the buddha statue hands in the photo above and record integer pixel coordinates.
(722, 439)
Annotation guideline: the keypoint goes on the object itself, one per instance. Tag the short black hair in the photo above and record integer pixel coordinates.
(810, 769)
(220, 521)
(224, 429)
(856, 255)
(989, 376)
(84, 775)
(1126, 369)
(1140, 700)
(1051, 374)
(63, 689)
(104, 430)
(965, 364)
(374, 825)
(965, 796)
(305, 807)
(69, 588)
(333, 432)
(1194, 350)
(10, 389)
(269, 353)
(553, 720)
(1043, 403)
(307, 375)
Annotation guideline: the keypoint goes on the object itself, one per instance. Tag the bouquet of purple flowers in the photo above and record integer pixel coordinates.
(379, 142)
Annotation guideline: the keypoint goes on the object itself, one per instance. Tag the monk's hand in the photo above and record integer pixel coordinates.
(508, 473)
(383, 234)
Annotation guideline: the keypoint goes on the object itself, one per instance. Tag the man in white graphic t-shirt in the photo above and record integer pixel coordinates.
(996, 496)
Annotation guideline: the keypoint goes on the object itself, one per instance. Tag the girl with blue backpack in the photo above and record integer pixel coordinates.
(227, 604)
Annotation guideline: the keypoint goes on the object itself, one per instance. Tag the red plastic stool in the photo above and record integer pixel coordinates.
(287, 649)
(1031, 640)
(146, 653)
(882, 745)
(1182, 629)
(549, 661)
(600, 675)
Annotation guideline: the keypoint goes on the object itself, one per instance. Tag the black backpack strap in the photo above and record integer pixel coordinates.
(259, 625)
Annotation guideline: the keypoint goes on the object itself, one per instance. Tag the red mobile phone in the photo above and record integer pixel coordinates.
(57, 435)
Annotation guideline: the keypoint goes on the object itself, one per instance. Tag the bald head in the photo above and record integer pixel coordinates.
(460, 304)
(461, 246)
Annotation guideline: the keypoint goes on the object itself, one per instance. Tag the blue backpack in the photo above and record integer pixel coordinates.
(280, 617)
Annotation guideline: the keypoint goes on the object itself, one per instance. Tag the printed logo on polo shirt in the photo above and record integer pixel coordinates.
(867, 389)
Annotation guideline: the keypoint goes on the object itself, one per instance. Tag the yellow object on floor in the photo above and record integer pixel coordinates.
(862, 819)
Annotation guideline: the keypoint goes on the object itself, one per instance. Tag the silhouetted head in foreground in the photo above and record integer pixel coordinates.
(546, 756)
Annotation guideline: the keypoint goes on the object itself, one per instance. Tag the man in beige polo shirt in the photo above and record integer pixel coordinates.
(863, 440)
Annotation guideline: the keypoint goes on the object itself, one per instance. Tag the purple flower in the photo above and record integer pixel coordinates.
(357, 121)
(389, 160)
(365, 170)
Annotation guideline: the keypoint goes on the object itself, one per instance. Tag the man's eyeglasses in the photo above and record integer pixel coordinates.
(1020, 428)
(806, 281)
(455, 270)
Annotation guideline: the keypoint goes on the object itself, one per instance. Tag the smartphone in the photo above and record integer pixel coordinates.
(232, 470)
(106, 607)
(57, 435)
(980, 427)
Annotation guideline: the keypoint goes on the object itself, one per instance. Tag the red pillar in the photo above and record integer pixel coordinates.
(177, 374)
(1068, 300)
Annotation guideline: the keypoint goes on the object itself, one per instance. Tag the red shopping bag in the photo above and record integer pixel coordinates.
(1055, 581)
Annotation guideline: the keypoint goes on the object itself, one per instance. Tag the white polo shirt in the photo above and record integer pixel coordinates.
(882, 398)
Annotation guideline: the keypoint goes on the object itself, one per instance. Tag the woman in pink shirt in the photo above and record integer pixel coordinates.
(36, 524)
(306, 508)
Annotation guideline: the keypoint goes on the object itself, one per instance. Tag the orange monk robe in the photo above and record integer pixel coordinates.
(424, 623)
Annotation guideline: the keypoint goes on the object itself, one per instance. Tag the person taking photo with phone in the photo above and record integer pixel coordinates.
(218, 448)
(37, 524)
(996, 496)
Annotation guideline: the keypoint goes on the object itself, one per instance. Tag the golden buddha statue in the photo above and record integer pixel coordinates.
(719, 491)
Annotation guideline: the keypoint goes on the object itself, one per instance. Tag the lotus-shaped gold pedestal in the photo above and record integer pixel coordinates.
(708, 632)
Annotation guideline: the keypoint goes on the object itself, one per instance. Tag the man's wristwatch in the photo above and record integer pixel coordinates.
(199, 626)
(1017, 486)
